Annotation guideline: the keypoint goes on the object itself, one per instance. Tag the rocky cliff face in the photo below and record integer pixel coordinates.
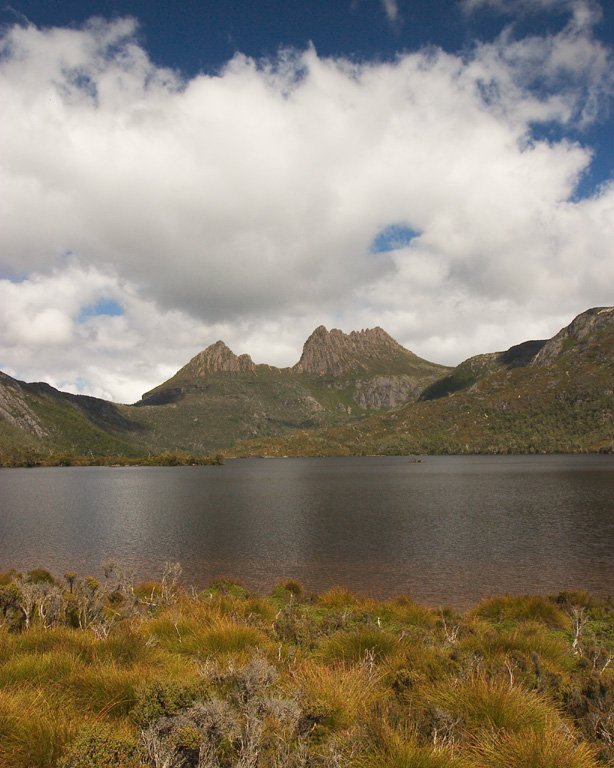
(387, 391)
(334, 353)
(585, 330)
(15, 410)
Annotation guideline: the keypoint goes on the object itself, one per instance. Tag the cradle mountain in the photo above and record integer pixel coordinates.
(349, 393)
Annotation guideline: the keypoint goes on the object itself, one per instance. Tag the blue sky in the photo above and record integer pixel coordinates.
(179, 172)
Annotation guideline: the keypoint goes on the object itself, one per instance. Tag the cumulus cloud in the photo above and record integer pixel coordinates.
(245, 205)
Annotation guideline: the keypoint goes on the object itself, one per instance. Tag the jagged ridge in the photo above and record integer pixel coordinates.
(335, 353)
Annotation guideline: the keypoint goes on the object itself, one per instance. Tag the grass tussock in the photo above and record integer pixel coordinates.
(95, 674)
(358, 645)
(479, 704)
(523, 608)
(548, 749)
(35, 729)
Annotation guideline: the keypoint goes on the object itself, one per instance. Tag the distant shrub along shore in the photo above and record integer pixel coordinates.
(32, 458)
(109, 673)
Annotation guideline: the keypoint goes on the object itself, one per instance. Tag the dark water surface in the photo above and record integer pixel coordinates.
(446, 530)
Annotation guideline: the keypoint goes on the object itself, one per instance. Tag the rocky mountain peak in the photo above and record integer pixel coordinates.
(217, 358)
(584, 330)
(337, 353)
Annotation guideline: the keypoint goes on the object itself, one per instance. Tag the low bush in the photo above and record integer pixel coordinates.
(99, 746)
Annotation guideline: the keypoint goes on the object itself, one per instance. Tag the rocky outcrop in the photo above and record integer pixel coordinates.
(218, 358)
(15, 410)
(386, 391)
(334, 353)
(582, 332)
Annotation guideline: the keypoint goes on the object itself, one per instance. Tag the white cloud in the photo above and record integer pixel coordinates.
(391, 8)
(585, 13)
(243, 206)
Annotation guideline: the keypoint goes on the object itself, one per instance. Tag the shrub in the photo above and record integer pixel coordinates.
(100, 746)
(164, 699)
(40, 576)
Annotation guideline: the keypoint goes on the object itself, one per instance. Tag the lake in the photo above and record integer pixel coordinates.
(445, 530)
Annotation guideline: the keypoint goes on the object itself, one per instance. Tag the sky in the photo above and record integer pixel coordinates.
(174, 173)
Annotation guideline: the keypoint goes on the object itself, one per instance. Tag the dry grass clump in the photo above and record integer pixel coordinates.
(401, 750)
(478, 704)
(339, 696)
(523, 608)
(552, 748)
(338, 597)
(105, 675)
(403, 611)
(527, 653)
(34, 728)
(362, 644)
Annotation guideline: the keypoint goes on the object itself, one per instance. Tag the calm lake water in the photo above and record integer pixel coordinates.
(445, 530)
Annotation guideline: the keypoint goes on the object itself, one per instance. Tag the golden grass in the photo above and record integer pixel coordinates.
(37, 669)
(404, 611)
(361, 644)
(524, 650)
(552, 748)
(492, 705)
(523, 608)
(372, 685)
(338, 597)
(339, 696)
(34, 729)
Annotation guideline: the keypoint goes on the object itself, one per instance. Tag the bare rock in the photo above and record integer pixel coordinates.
(334, 353)
(387, 391)
(577, 336)
(218, 357)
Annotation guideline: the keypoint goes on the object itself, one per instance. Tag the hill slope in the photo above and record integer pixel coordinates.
(39, 417)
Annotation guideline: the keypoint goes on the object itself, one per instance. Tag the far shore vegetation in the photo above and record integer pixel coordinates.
(109, 673)
(33, 458)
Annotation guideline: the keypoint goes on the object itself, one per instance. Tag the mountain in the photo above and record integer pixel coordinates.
(552, 396)
(218, 398)
(359, 392)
